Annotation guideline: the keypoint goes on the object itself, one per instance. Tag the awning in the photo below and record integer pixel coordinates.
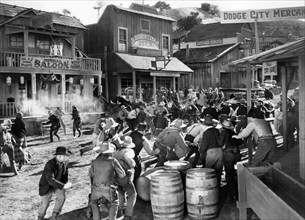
(290, 49)
(173, 65)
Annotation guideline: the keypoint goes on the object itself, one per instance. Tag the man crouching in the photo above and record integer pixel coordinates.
(104, 168)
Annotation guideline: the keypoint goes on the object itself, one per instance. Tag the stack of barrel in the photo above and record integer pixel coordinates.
(175, 187)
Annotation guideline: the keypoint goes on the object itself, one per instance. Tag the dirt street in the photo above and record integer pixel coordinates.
(19, 199)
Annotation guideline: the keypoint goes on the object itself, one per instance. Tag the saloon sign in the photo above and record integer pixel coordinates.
(262, 15)
(49, 63)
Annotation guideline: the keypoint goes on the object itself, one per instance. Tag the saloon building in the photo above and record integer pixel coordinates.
(42, 63)
(135, 46)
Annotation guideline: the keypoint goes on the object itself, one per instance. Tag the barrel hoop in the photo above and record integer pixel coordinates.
(172, 185)
(208, 188)
(154, 178)
(205, 205)
(202, 216)
(180, 205)
(200, 178)
(152, 191)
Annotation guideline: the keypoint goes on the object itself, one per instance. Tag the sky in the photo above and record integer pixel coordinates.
(84, 9)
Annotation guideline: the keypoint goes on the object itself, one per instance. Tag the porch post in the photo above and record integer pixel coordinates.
(119, 84)
(174, 84)
(26, 42)
(140, 88)
(302, 119)
(34, 89)
(284, 71)
(73, 47)
(134, 92)
(99, 82)
(63, 90)
(155, 88)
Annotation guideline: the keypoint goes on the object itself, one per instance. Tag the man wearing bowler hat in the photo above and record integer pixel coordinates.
(54, 179)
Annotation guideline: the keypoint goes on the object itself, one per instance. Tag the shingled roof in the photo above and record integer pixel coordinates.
(211, 31)
(11, 11)
(201, 54)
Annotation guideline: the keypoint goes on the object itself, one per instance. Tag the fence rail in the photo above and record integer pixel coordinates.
(8, 109)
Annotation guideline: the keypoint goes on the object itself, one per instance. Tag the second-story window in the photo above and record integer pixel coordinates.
(16, 41)
(165, 45)
(43, 44)
(122, 40)
(145, 25)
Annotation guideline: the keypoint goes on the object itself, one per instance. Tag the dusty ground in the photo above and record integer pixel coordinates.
(19, 199)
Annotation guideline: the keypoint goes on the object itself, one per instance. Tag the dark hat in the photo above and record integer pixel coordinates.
(227, 123)
(62, 151)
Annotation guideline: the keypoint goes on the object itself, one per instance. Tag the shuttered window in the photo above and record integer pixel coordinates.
(122, 40)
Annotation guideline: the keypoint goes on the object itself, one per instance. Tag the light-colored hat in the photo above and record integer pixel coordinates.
(178, 123)
(110, 123)
(104, 147)
(227, 123)
(128, 142)
(162, 103)
(7, 122)
(208, 120)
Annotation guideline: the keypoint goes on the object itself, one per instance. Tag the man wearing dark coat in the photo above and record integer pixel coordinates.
(54, 179)
(55, 125)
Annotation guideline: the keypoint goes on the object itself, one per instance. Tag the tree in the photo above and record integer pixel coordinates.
(190, 21)
(161, 6)
(205, 7)
(211, 9)
(66, 12)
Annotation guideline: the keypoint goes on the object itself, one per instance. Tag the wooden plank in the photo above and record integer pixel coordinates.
(242, 196)
(284, 105)
(301, 113)
(264, 202)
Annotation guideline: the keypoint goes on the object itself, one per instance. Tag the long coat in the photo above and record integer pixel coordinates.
(50, 179)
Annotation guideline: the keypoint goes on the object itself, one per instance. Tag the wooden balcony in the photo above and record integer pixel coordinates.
(34, 61)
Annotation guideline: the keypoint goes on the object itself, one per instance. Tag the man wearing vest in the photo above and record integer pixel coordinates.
(262, 133)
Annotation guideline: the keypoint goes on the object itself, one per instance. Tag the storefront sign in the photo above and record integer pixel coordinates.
(50, 63)
(262, 15)
(56, 50)
(144, 41)
(270, 68)
(164, 74)
(209, 42)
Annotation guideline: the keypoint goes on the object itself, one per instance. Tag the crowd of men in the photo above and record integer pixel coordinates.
(203, 128)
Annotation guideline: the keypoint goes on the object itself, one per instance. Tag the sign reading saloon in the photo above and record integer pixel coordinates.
(262, 15)
(49, 63)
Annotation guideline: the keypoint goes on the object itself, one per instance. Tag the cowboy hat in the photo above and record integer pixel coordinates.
(62, 151)
(104, 147)
(162, 103)
(208, 120)
(110, 123)
(178, 123)
(227, 123)
(7, 122)
(128, 142)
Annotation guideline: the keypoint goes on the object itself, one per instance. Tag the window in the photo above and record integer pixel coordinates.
(16, 41)
(43, 44)
(31, 42)
(165, 42)
(145, 25)
(122, 40)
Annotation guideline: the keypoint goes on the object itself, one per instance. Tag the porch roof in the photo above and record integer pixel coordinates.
(145, 63)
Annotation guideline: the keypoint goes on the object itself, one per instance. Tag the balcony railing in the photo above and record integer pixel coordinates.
(18, 60)
(8, 109)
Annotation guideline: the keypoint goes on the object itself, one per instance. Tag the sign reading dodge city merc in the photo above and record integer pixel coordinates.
(48, 63)
(262, 15)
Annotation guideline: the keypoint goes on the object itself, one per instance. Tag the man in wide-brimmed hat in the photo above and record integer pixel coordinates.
(104, 168)
(54, 179)
(7, 145)
(125, 155)
(209, 148)
(170, 144)
(231, 155)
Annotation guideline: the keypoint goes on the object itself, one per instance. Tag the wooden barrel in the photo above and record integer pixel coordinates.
(167, 196)
(143, 183)
(176, 165)
(202, 193)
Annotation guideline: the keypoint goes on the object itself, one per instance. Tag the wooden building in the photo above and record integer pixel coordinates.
(208, 49)
(135, 46)
(42, 63)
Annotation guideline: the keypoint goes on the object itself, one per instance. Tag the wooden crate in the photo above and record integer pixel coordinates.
(270, 193)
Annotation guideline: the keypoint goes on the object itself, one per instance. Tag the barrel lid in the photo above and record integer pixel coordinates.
(176, 165)
(165, 174)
